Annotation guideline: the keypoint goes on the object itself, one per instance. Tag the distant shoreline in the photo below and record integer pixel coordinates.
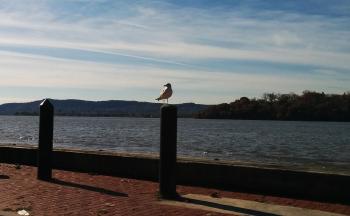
(187, 117)
(113, 108)
(310, 106)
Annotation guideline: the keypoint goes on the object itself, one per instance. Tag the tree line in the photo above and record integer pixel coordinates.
(309, 106)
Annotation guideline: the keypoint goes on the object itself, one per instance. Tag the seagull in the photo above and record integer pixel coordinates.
(165, 93)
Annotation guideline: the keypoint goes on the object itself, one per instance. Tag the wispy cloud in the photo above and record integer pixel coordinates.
(113, 45)
(47, 72)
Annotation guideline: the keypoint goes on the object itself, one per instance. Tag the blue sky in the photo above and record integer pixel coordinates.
(211, 51)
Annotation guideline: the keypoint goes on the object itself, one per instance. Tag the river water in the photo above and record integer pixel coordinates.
(318, 146)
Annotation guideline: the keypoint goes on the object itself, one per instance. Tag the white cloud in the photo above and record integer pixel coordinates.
(190, 85)
(168, 37)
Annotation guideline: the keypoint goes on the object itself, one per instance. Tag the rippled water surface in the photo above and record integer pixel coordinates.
(321, 145)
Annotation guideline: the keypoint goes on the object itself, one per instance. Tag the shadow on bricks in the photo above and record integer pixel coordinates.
(87, 187)
(4, 177)
(233, 209)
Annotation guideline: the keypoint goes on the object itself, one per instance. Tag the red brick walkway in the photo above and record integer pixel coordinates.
(85, 194)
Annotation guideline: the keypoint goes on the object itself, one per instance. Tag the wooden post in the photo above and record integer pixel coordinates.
(168, 140)
(45, 140)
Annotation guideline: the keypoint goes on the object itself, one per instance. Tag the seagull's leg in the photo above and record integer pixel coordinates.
(167, 100)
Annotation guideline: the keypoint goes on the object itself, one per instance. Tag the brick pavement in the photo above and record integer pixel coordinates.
(73, 193)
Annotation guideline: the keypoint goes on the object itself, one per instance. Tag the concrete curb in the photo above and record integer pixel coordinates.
(296, 184)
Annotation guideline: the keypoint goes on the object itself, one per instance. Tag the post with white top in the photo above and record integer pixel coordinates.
(168, 141)
(44, 160)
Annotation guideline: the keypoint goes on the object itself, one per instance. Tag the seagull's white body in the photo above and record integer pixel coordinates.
(165, 93)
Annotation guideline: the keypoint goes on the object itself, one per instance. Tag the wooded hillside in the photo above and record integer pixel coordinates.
(310, 106)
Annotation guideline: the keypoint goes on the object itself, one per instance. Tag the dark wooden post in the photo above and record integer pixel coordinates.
(45, 140)
(167, 164)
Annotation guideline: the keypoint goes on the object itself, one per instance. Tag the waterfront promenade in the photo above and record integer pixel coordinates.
(73, 193)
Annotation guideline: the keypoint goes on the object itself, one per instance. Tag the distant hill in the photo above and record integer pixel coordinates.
(73, 107)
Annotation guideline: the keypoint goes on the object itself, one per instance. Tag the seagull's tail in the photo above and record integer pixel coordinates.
(158, 99)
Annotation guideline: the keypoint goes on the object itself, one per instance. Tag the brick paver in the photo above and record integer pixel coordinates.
(73, 193)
